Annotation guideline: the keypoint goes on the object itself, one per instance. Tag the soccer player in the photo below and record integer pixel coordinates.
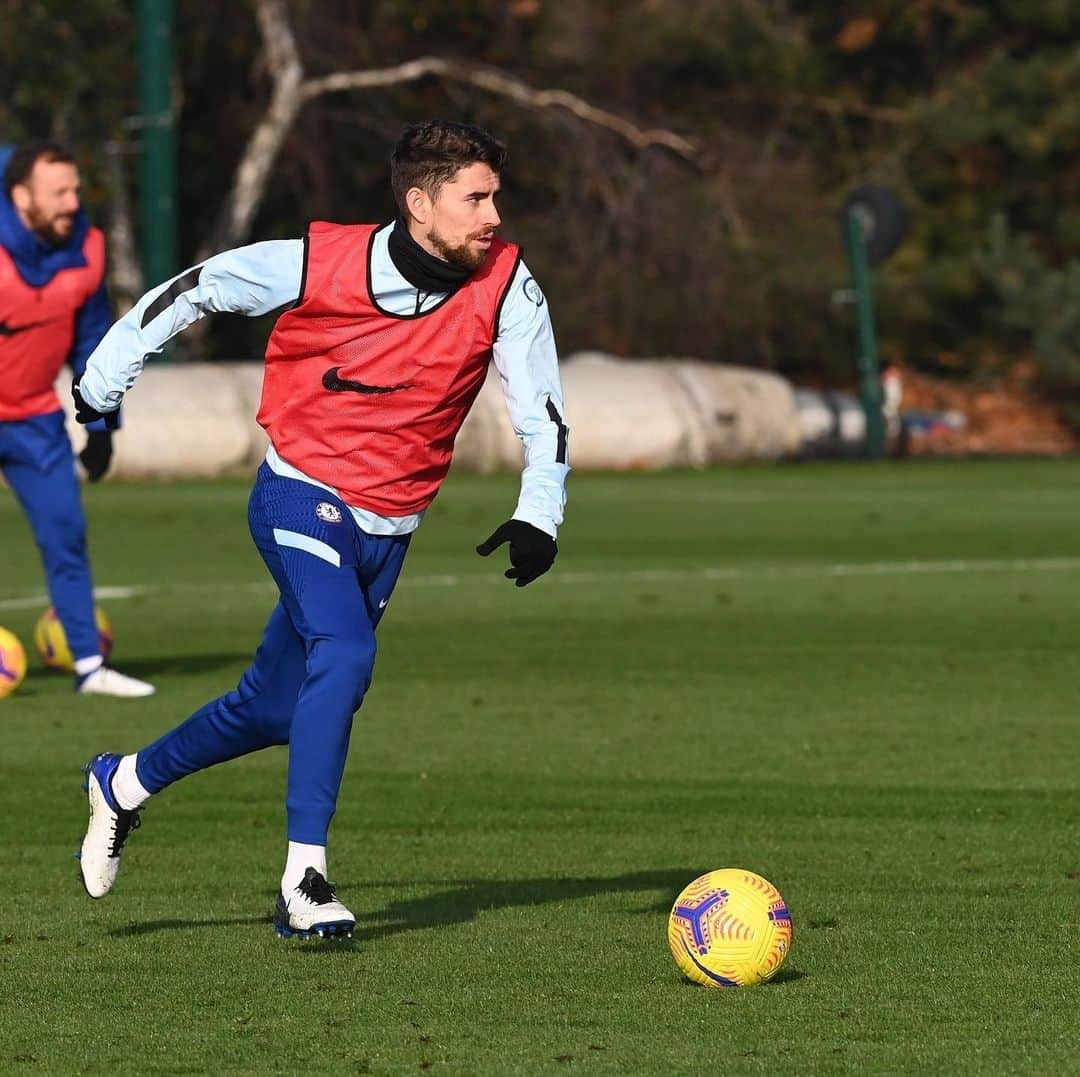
(370, 371)
(54, 309)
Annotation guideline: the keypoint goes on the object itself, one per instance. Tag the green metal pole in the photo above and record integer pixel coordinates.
(870, 392)
(158, 199)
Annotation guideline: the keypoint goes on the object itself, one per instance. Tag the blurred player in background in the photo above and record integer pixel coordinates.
(370, 372)
(54, 309)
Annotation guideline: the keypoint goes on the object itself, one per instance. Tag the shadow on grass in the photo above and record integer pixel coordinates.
(459, 903)
(149, 668)
(786, 976)
(151, 927)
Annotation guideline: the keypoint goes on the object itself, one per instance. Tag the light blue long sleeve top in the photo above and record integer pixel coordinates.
(262, 277)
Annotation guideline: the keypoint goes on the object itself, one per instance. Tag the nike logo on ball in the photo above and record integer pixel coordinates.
(335, 384)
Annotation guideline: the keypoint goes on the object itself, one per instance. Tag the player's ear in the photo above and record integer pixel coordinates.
(20, 196)
(418, 203)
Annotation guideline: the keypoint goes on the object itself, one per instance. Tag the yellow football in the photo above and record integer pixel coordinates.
(12, 662)
(52, 645)
(730, 928)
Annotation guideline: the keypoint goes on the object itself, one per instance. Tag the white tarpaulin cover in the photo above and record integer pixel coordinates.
(198, 419)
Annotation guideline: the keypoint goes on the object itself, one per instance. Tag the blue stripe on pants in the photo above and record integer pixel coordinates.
(314, 664)
(37, 462)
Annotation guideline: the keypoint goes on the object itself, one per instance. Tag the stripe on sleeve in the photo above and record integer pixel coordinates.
(171, 295)
(564, 430)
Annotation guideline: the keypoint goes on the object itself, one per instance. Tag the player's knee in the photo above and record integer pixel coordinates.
(348, 662)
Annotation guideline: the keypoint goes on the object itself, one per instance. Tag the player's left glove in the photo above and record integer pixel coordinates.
(98, 453)
(532, 551)
(84, 413)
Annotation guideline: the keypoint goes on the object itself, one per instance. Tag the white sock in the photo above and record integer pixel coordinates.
(300, 858)
(87, 665)
(128, 790)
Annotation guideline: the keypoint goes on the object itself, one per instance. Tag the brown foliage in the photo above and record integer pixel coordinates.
(1003, 418)
(857, 34)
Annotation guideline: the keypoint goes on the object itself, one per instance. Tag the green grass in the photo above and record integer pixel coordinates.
(859, 681)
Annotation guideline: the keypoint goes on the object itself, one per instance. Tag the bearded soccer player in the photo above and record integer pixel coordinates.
(54, 309)
(369, 375)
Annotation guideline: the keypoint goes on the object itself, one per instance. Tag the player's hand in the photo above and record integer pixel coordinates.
(532, 551)
(97, 455)
(85, 414)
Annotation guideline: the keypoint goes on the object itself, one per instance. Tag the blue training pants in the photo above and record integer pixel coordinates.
(38, 464)
(315, 661)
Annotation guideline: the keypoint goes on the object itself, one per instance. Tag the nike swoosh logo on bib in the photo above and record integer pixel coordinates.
(11, 330)
(335, 384)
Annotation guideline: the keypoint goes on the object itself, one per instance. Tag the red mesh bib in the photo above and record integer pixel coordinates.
(370, 402)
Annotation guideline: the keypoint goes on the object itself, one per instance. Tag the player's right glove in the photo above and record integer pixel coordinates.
(97, 454)
(84, 413)
(532, 551)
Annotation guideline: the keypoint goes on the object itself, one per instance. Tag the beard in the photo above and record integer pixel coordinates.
(54, 230)
(464, 256)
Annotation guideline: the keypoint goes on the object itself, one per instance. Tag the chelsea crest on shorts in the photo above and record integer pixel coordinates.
(328, 512)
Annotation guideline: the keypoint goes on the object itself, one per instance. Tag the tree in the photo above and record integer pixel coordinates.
(292, 90)
(724, 245)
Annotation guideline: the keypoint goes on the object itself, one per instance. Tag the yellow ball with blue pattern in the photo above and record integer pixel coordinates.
(52, 645)
(730, 928)
(12, 662)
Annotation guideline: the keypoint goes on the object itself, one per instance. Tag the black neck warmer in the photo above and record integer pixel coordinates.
(423, 271)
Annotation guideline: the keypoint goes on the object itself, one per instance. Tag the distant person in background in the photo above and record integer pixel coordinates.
(54, 309)
(892, 399)
(384, 342)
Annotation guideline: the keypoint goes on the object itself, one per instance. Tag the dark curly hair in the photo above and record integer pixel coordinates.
(22, 161)
(427, 155)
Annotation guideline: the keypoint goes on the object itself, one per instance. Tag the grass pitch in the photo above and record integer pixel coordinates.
(857, 680)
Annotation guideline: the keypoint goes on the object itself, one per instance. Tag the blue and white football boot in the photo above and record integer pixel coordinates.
(312, 908)
(99, 858)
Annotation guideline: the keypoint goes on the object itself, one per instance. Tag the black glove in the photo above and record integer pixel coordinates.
(97, 454)
(532, 551)
(85, 414)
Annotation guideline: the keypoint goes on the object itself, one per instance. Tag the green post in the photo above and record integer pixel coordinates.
(870, 392)
(157, 201)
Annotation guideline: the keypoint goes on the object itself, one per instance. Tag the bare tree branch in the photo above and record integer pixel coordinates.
(291, 91)
(249, 183)
(836, 107)
(499, 82)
